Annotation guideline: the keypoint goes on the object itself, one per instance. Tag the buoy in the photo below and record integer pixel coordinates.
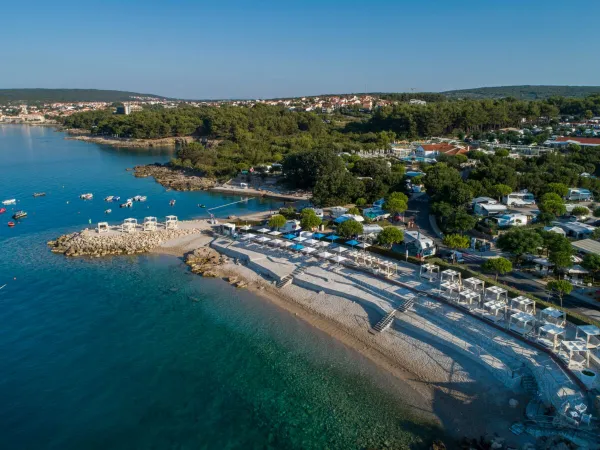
(11, 224)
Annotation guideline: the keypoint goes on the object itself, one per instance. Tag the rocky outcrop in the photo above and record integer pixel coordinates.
(87, 243)
(84, 135)
(204, 260)
(175, 178)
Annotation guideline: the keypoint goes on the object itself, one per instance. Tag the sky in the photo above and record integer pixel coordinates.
(266, 49)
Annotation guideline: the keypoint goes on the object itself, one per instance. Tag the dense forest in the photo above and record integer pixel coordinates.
(67, 95)
(307, 144)
(524, 92)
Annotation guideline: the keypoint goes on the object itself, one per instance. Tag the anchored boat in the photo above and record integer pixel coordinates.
(140, 198)
(86, 196)
(2, 210)
(108, 211)
(116, 198)
(39, 194)
(19, 215)
(109, 198)
(12, 201)
(172, 203)
(11, 224)
(127, 204)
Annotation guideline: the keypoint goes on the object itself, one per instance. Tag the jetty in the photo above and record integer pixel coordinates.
(129, 238)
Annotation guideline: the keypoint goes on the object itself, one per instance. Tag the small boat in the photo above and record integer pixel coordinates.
(129, 200)
(201, 206)
(108, 211)
(11, 224)
(116, 199)
(109, 198)
(126, 205)
(19, 215)
(12, 201)
(2, 210)
(140, 198)
(39, 194)
(86, 196)
(172, 203)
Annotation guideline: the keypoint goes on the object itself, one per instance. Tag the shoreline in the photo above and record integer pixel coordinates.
(85, 136)
(426, 395)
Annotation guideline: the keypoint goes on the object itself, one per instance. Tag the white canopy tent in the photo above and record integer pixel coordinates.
(497, 294)
(495, 310)
(430, 272)
(475, 284)
(468, 296)
(591, 334)
(554, 316)
(576, 353)
(550, 334)
(521, 322)
(450, 275)
(524, 304)
(449, 290)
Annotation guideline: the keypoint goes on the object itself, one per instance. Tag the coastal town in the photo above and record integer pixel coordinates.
(487, 241)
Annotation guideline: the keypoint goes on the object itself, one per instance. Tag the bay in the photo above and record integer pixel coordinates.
(134, 352)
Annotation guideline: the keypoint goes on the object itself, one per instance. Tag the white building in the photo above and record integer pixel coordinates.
(579, 194)
(337, 211)
(290, 225)
(519, 199)
(489, 209)
(511, 220)
(416, 242)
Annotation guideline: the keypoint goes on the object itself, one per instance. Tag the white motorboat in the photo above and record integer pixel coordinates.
(86, 196)
(11, 201)
(108, 211)
(109, 198)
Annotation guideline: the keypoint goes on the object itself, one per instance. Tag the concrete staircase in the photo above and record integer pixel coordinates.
(287, 280)
(387, 320)
(530, 384)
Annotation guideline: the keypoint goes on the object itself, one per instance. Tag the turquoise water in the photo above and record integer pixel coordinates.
(134, 352)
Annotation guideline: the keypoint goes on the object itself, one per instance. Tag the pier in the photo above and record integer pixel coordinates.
(247, 199)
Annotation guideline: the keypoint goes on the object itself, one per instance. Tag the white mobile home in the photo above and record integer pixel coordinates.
(337, 211)
(419, 244)
(579, 194)
(488, 209)
(519, 199)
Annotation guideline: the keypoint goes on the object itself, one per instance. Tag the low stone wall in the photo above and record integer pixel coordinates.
(90, 243)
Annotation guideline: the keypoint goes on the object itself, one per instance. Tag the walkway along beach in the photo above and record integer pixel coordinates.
(460, 369)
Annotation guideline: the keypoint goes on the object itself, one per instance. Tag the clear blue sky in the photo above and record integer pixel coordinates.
(259, 49)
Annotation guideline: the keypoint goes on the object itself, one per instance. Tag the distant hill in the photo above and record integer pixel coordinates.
(68, 95)
(524, 92)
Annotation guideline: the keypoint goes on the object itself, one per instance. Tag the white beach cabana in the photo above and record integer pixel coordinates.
(468, 296)
(149, 224)
(449, 290)
(450, 275)
(521, 322)
(524, 304)
(430, 272)
(494, 310)
(590, 335)
(575, 353)
(129, 225)
(496, 293)
(550, 334)
(171, 223)
(553, 316)
(474, 284)
(102, 227)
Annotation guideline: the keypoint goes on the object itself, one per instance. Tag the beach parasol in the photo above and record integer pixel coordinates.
(308, 250)
(311, 242)
(333, 237)
(290, 236)
(275, 233)
(325, 255)
(352, 243)
(264, 230)
(299, 239)
(318, 235)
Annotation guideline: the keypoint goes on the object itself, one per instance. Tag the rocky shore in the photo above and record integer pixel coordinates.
(174, 178)
(89, 243)
(83, 135)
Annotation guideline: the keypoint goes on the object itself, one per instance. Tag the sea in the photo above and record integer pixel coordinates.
(135, 352)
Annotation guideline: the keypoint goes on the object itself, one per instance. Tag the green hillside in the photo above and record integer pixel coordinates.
(67, 95)
(525, 92)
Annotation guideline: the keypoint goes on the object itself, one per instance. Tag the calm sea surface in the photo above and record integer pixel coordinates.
(135, 353)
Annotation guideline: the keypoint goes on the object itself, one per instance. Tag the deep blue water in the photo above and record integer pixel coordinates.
(134, 352)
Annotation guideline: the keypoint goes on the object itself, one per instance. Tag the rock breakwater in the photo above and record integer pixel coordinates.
(174, 178)
(89, 243)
